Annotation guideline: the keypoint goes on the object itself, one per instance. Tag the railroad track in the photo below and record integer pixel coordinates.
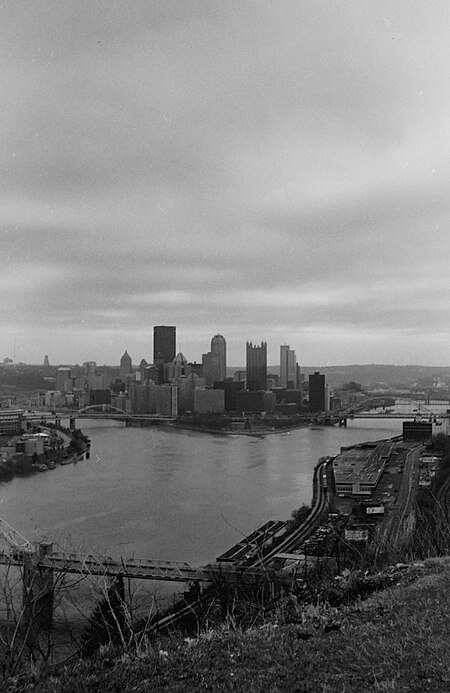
(296, 538)
(292, 541)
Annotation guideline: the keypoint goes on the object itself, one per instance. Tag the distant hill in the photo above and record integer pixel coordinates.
(370, 374)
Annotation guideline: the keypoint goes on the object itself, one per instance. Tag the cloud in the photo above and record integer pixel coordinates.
(266, 171)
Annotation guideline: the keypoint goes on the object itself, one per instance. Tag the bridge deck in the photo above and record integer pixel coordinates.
(144, 569)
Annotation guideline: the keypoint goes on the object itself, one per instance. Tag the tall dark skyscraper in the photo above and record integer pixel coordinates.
(164, 344)
(317, 392)
(256, 366)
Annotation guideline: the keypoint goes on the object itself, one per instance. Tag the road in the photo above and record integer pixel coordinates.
(406, 495)
(298, 536)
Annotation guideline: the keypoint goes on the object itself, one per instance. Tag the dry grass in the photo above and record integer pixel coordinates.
(396, 640)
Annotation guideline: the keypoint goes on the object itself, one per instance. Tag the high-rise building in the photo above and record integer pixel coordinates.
(89, 367)
(64, 380)
(142, 368)
(180, 366)
(126, 366)
(219, 347)
(151, 373)
(256, 366)
(317, 392)
(164, 344)
(211, 368)
(288, 367)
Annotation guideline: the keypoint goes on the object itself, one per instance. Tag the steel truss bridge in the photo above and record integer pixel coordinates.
(95, 411)
(145, 569)
(356, 410)
(108, 411)
(15, 548)
(396, 415)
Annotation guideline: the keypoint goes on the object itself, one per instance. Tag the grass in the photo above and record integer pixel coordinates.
(397, 640)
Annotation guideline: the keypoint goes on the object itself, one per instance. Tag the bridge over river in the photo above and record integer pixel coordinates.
(97, 411)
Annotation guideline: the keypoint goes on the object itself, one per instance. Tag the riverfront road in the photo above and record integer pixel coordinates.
(406, 495)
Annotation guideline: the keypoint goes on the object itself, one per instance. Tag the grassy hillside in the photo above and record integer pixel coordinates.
(396, 640)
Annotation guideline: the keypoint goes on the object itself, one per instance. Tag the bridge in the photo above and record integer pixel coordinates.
(40, 561)
(17, 550)
(95, 411)
(357, 410)
(100, 411)
(398, 415)
(108, 411)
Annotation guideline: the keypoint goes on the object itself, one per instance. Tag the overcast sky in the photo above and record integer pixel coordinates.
(273, 171)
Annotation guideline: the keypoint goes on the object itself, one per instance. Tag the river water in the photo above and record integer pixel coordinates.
(175, 495)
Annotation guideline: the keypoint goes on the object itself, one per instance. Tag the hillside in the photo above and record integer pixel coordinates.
(369, 374)
(374, 374)
(396, 640)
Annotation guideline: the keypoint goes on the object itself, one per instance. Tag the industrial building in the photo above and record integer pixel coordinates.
(11, 421)
(358, 470)
(423, 430)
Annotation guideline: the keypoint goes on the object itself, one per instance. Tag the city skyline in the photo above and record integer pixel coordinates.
(273, 361)
(266, 171)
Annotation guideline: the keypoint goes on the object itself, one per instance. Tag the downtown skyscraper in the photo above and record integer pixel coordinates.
(164, 349)
(164, 344)
(219, 347)
(288, 367)
(256, 366)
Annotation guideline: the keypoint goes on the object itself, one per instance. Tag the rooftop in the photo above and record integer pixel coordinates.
(363, 462)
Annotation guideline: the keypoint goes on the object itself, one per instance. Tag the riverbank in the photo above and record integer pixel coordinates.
(65, 447)
(152, 492)
(239, 431)
(252, 430)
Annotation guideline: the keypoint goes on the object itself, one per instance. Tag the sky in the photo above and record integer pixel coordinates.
(274, 171)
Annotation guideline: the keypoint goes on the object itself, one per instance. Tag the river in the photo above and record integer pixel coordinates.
(175, 495)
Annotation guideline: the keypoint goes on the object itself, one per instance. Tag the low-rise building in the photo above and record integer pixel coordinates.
(423, 430)
(230, 388)
(255, 401)
(11, 421)
(209, 401)
(358, 470)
